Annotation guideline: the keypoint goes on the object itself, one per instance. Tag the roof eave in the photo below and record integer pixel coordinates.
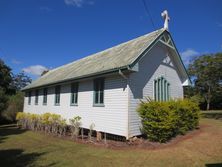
(126, 68)
(189, 80)
(140, 56)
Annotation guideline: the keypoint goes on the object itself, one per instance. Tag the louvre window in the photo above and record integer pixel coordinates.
(45, 92)
(57, 95)
(36, 97)
(74, 94)
(99, 92)
(30, 97)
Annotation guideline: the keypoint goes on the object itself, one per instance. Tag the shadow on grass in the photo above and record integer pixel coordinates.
(214, 165)
(17, 157)
(7, 130)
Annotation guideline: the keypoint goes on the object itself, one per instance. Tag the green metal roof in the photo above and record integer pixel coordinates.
(112, 59)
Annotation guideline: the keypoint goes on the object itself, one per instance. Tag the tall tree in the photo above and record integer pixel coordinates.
(206, 71)
(5, 78)
(5, 85)
(20, 80)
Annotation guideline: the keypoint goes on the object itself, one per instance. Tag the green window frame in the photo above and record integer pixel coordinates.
(98, 97)
(57, 95)
(165, 91)
(29, 97)
(168, 91)
(161, 89)
(74, 94)
(155, 89)
(45, 93)
(36, 97)
(159, 85)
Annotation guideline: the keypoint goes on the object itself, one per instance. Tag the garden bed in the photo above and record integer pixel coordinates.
(133, 143)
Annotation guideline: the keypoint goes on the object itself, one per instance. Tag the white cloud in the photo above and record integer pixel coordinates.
(78, 3)
(35, 69)
(188, 55)
(14, 61)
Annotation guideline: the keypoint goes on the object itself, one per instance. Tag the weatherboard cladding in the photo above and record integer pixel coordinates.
(114, 58)
(111, 118)
(141, 84)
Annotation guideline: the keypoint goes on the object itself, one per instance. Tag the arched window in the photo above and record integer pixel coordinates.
(161, 89)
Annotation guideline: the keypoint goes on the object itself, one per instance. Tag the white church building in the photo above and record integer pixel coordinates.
(106, 88)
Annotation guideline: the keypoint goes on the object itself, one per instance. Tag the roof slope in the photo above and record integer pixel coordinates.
(111, 59)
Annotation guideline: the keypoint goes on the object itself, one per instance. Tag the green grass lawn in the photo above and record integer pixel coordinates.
(216, 114)
(27, 148)
(212, 111)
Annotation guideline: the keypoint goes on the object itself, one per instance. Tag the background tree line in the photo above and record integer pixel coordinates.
(11, 97)
(206, 74)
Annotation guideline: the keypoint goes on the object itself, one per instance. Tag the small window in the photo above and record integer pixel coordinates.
(29, 97)
(36, 97)
(99, 92)
(161, 89)
(57, 95)
(74, 94)
(45, 93)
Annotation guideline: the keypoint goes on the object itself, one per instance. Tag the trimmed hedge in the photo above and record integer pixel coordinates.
(163, 120)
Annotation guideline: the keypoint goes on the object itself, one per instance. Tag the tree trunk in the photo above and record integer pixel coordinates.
(208, 105)
(208, 98)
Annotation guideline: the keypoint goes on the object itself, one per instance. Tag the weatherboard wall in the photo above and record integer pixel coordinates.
(112, 118)
(156, 63)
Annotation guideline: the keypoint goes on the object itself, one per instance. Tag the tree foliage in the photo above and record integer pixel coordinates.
(11, 99)
(5, 85)
(5, 78)
(15, 105)
(3, 100)
(20, 80)
(206, 72)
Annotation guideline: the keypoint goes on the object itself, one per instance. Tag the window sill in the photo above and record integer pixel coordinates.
(73, 104)
(44, 104)
(36, 104)
(98, 105)
(57, 104)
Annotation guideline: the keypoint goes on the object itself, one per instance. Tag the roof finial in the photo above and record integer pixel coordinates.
(166, 18)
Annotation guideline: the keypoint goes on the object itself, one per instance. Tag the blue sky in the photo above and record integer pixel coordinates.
(39, 34)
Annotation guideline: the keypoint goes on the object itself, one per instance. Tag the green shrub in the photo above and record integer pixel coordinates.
(163, 120)
(75, 126)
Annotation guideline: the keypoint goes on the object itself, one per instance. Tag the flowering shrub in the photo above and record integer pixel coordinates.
(50, 123)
